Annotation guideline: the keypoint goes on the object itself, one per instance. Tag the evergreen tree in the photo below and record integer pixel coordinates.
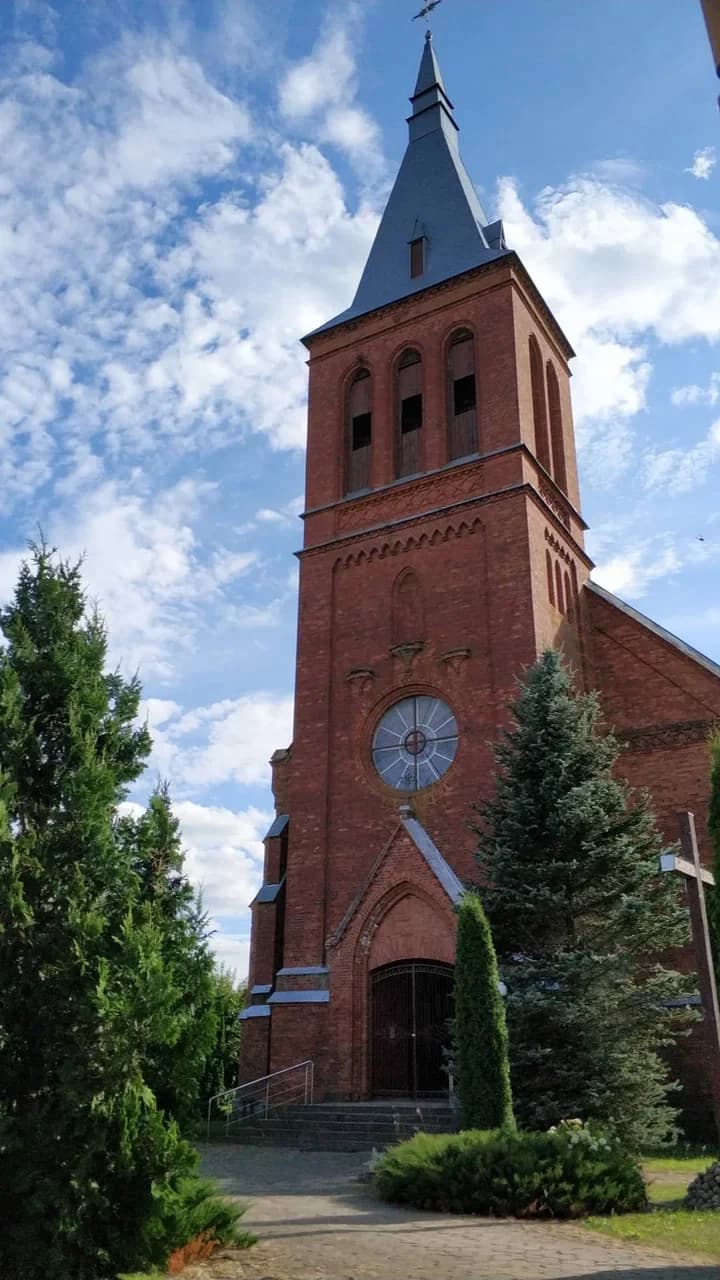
(480, 1033)
(93, 1175)
(221, 1064)
(580, 917)
(175, 1064)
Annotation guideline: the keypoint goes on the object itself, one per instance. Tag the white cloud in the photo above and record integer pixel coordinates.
(136, 314)
(286, 515)
(224, 854)
(703, 163)
(241, 735)
(224, 861)
(617, 270)
(227, 741)
(232, 950)
(157, 711)
(680, 470)
(143, 566)
(619, 169)
(629, 573)
(324, 78)
(321, 90)
(694, 394)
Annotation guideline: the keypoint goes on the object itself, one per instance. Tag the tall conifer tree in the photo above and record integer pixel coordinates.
(91, 1170)
(580, 917)
(480, 1033)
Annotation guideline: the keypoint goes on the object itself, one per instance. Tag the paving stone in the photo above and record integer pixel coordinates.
(317, 1222)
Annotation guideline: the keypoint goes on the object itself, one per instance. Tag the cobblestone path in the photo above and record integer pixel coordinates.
(317, 1222)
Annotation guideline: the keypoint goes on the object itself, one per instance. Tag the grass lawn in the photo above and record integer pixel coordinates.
(667, 1226)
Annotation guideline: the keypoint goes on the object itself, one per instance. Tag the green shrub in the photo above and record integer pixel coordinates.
(189, 1210)
(563, 1174)
(480, 1033)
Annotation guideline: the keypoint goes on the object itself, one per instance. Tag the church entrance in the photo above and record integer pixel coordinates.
(411, 1004)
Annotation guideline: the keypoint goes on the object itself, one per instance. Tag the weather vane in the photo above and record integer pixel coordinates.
(427, 10)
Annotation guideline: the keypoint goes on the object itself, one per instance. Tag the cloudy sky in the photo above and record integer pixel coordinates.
(189, 185)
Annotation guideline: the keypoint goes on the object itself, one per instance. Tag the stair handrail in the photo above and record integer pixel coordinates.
(309, 1067)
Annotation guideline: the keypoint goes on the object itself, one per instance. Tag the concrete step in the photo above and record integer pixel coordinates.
(344, 1126)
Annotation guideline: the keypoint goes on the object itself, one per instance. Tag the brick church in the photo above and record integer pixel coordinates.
(443, 550)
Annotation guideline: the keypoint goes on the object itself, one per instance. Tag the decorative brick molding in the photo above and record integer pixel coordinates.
(407, 653)
(398, 546)
(558, 508)
(558, 547)
(455, 659)
(661, 737)
(361, 679)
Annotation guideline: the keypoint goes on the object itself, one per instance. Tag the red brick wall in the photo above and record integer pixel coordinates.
(404, 903)
(476, 536)
(663, 704)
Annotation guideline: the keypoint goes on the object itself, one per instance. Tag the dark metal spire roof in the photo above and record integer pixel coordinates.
(429, 73)
(434, 200)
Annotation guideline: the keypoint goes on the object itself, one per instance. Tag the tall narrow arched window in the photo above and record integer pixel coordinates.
(409, 414)
(556, 427)
(542, 443)
(568, 597)
(359, 432)
(462, 396)
(559, 586)
(550, 582)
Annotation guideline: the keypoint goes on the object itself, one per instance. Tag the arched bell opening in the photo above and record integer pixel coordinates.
(410, 1013)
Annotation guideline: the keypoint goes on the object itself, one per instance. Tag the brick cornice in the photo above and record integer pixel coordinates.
(509, 260)
(554, 497)
(665, 737)
(392, 528)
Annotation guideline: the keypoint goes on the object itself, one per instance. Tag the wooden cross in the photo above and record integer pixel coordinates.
(696, 878)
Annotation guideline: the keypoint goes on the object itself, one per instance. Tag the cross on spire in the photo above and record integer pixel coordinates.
(425, 13)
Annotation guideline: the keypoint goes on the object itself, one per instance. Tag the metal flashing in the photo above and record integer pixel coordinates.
(299, 997)
(432, 855)
(254, 1011)
(268, 892)
(278, 826)
(303, 971)
(263, 989)
(660, 632)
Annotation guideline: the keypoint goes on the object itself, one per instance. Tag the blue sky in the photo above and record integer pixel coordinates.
(189, 187)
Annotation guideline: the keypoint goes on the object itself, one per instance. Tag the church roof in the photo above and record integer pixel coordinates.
(433, 200)
(661, 632)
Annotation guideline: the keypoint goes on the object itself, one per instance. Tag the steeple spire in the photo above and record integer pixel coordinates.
(429, 74)
(433, 227)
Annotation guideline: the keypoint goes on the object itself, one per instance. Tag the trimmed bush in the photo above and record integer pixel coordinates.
(480, 1033)
(567, 1173)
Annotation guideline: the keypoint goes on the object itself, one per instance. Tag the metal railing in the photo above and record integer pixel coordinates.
(256, 1099)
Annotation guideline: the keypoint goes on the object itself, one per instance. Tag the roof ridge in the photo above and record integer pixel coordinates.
(656, 627)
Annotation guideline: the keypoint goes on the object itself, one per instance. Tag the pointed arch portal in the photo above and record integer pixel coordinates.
(410, 1009)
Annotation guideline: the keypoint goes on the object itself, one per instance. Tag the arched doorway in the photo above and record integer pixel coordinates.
(410, 1006)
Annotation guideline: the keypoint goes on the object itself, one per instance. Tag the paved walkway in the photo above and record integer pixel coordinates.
(317, 1222)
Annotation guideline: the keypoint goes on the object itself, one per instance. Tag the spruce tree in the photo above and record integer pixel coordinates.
(580, 916)
(480, 1033)
(93, 1175)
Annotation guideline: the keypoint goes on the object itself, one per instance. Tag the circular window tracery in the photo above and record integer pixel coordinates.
(415, 743)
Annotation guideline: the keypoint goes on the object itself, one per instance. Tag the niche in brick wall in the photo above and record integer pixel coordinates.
(408, 610)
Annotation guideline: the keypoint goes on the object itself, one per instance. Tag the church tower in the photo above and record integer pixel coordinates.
(443, 550)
